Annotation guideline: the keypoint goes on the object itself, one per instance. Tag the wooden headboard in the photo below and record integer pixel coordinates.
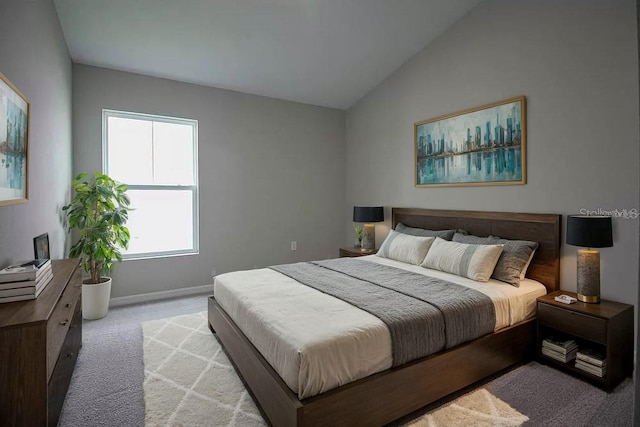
(541, 228)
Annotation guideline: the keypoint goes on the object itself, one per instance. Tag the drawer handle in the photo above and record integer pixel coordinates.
(64, 322)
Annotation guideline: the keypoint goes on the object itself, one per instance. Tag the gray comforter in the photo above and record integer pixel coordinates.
(424, 314)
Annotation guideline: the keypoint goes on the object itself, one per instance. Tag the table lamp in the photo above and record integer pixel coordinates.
(590, 232)
(367, 215)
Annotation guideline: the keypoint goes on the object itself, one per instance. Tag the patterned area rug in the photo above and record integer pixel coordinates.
(188, 381)
(478, 408)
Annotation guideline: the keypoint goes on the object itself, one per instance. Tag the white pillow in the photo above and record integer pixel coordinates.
(405, 248)
(473, 261)
(526, 267)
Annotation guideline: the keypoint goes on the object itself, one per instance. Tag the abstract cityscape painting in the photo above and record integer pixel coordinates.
(480, 146)
(14, 143)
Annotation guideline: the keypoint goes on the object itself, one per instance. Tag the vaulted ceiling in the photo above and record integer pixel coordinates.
(321, 52)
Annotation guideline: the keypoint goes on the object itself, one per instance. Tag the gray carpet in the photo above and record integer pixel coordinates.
(551, 398)
(106, 388)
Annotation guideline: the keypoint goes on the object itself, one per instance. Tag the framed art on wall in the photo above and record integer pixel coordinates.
(485, 145)
(14, 143)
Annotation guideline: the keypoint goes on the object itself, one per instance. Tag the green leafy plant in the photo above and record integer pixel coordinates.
(359, 232)
(99, 210)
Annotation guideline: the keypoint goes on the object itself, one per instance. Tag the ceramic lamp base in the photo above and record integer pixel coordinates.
(369, 239)
(588, 279)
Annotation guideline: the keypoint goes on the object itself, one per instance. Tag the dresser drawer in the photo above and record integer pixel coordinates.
(60, 320)
(61, 377)
(578, 324)
(32, 384)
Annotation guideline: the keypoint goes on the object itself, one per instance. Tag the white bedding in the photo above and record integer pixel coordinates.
(316, 342)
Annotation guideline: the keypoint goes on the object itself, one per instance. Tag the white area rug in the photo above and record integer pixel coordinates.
(478, 408)
(190, 382)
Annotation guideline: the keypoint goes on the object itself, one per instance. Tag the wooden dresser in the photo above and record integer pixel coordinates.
(39, 344)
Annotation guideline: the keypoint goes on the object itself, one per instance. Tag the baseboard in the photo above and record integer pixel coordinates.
(153, 296)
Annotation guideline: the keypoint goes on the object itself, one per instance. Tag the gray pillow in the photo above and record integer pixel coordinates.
(513, 260)
(443, 234)
(471, 239)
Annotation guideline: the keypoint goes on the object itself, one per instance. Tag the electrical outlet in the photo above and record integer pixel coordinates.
(294, 245)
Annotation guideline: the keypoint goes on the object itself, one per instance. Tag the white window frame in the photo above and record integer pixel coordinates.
(106, 113)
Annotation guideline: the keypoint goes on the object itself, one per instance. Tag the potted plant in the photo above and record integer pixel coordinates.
(99, 211)
(360, 234)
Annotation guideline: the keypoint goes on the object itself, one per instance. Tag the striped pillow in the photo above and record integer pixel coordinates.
(514, 260)
(405, 248)
(473, 261)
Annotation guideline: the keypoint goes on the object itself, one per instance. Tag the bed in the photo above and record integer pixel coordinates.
(396, 391)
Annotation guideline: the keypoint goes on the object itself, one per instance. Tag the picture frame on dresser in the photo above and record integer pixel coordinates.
(41, 246)
(15, 112)
(485, 145)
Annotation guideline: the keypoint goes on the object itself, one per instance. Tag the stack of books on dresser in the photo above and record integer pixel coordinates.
(24, 280)
(559, 348)
(592, 361)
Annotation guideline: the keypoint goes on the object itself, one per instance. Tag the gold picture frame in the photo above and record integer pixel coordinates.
(15, 113)
(486, 145)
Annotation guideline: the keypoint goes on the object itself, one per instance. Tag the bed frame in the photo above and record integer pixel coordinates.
(389, 395)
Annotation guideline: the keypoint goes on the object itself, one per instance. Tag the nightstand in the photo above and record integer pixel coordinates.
(354, 252)
(606, 327)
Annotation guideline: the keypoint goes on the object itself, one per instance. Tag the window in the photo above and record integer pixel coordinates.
(157, 158)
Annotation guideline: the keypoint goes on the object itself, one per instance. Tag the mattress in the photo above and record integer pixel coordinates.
(316, 342)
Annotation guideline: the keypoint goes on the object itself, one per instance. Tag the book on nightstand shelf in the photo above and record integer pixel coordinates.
(592, 361)
(562, 357)
(560, 345)
(598, 371)
(594, 357)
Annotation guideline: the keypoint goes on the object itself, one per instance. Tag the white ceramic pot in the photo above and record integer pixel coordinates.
(95, 299)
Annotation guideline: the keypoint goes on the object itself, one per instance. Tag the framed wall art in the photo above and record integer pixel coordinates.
(14, 143)
(485, 145)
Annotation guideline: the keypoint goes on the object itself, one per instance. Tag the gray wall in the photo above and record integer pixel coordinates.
(636, 375)
(34, 57)
(576, 61)
(270, 172)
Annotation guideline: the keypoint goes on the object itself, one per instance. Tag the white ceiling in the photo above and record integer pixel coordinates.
(321, 52)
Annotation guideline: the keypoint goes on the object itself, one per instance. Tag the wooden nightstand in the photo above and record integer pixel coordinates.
(354, 252)
(606, 327)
